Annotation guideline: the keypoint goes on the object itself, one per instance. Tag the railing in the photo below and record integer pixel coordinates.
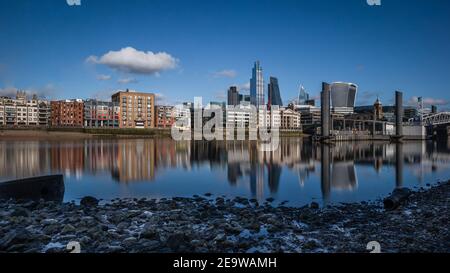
(432, 119)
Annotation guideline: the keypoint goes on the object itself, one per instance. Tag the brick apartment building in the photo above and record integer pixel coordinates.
(67, 113)
(164, 116)
(137, 109)
(101, 114)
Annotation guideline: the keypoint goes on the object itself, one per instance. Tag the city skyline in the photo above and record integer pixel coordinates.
(388, 50)
(253, 128)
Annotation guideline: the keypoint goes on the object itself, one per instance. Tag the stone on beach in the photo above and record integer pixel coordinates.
(227, 225)
(89, 201)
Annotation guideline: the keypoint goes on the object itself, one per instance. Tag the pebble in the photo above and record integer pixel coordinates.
(68, 229)
(314, 205)
(20, 212)
(224, 225)
(89, 201)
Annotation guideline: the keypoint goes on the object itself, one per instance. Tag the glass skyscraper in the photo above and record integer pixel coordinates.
(343, 96)
(257, 86)
(233, 96)
(302, 96)
(274, 92)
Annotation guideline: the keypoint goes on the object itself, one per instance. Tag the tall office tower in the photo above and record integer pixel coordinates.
(257, 86)
(233, 96)
(343, 97)
(303, 97)
(274, 92)
(433, 109)
(244, 99)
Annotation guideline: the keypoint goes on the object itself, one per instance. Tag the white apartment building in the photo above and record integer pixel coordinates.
(281, 118)
(44, 113)
(241, 116)
(32, 112)
(183, 118)
(269, 118)
(309, 115)
(2, 113)
(8, 111)
(290, 119)
(20, 112)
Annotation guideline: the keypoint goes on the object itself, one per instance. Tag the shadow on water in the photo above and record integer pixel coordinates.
(48, 188)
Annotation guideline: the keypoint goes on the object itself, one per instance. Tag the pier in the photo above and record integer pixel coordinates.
(338, 127)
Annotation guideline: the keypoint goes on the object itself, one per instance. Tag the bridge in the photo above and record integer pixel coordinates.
(433, 119)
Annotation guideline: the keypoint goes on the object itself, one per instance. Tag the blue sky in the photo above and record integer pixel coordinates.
(200, 48)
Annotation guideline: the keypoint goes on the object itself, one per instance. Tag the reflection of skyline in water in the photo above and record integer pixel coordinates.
(136, 160)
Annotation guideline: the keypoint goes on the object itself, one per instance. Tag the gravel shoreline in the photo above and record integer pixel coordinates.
(208, 224)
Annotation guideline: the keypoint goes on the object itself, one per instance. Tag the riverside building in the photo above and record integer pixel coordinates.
(67, 113)
(137, 109)
(101, 114)
(20, 112)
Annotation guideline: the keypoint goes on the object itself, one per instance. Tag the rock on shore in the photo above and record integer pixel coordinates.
(211, 224)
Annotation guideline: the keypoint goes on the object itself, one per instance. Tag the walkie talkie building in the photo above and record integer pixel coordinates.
(343, 97)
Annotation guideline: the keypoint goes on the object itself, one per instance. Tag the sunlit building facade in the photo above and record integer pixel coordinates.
(241, 116)
(67, 113)
(290, 119)
(101, 114)
(22, 112)
(164, 116)
(269, 118)
(137, 109)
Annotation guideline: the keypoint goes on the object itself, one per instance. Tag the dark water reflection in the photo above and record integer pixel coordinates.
(110, 168)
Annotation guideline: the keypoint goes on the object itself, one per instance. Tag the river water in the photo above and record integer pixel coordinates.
(298, 171)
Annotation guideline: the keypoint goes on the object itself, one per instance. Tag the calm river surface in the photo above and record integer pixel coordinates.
(298, 171)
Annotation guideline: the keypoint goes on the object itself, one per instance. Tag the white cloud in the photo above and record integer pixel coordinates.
(161, 99)
(103, 77)
(103, 94)
(366, 97)
(127, 80)
(316, 97)
(360, 67)
(227, 73)
(8, 92)
(131, 60)
(428, 101)
(431, 101)
(245, 86)
(220, 95)
(92, 59)
(47, 91)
